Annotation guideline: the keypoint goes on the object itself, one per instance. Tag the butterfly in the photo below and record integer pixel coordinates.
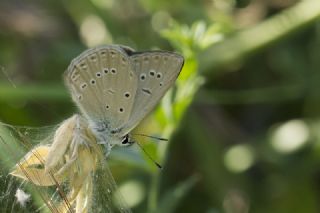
(115, 87)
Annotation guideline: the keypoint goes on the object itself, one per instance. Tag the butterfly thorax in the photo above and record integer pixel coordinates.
(108, 137)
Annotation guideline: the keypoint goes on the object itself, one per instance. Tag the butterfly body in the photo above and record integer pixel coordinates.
(108, 137)
(116, 87)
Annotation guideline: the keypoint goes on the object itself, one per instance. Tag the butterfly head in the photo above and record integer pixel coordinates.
(126, 140)
(106, 135)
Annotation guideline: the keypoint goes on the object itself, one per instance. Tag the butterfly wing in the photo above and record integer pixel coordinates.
(156, 72)
(103, 85)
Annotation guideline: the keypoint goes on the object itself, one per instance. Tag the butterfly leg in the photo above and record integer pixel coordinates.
(107, 148)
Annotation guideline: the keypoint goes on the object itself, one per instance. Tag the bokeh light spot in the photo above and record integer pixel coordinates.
(160, 20)
(94, 32)
(239, 158)
(290, 136)
(133, 193)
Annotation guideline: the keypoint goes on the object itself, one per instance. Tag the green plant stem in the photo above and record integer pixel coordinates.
(153, 193)
(245, 43)
(37, 92)
(275, 94)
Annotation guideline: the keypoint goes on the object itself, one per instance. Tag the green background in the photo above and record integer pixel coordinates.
(243, 119)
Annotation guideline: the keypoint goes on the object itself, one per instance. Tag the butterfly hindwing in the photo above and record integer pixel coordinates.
(103, 84)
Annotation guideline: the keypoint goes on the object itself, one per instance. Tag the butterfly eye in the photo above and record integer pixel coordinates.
(126, 141)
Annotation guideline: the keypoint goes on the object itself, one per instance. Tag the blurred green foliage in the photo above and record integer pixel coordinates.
(243, 119)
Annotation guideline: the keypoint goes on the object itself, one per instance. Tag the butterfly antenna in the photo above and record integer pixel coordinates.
(147, 154)
(154, 137)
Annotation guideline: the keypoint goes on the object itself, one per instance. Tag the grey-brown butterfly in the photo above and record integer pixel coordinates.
(115, 87)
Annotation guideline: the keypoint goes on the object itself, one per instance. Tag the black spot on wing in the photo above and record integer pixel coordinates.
(146, 91)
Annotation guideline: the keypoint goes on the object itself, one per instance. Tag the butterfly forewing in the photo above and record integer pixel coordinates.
(156, 72)
(103, 85)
